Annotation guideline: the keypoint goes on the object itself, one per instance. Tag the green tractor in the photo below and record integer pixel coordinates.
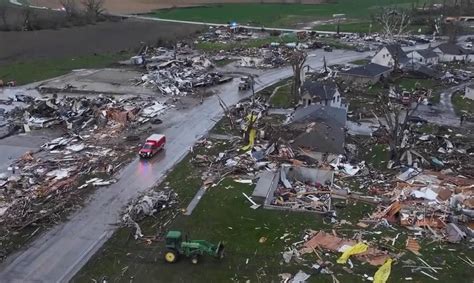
(193, 249)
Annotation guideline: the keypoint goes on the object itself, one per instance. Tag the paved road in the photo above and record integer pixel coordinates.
(60, 252)
(442, 113)
(220, 24)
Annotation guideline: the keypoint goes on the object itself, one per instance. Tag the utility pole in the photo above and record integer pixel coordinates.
(253, 89)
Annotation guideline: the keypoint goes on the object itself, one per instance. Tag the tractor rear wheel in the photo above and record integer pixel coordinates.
(195, 259)
(171, 256)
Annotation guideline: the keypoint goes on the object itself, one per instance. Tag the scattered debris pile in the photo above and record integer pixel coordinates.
(41, 186)
(431, 204)
(305, 189)
(147, 205)
(180, 76)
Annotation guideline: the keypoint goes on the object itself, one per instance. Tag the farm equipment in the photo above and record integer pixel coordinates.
(192, 249)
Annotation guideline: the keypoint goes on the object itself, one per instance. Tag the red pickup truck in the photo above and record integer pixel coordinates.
(153, 144)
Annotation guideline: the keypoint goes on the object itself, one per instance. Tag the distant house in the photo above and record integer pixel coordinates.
(449, 52)
(319, 131)
(469, 92)
(423, 56)
(390, 56)
(322, 93)
(367, 74)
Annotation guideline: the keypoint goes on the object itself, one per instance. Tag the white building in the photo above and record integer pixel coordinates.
(449, 52)
(423, 56)
(469, 92)
(322, 93)
(389, 56)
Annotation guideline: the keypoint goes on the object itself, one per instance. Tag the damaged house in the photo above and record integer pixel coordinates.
(365, 75)
(319, 132)
(391, 55)
(469, 92)
(449, 52)
(423, 56)
(322, 93)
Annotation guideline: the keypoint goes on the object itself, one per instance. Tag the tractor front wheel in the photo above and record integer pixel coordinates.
(171, 256)
(195, 259)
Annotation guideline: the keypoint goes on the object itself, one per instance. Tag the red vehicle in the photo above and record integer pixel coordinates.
(153, 144)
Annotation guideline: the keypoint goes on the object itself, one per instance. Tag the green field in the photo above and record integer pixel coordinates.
(461, 104)
(38, 70)
(278, 15)
(283, 98)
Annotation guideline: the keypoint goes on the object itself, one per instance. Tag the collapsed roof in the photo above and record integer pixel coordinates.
(322, 128)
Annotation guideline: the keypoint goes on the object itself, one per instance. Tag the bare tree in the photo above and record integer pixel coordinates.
(94, 8)
(3, 14)
(27, 15)
(452, 30)
(395, 22)
(396, 123)
(297, 60)
(70, 7)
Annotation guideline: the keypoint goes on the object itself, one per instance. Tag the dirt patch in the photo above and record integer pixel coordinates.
(143, 6)
(105, 37)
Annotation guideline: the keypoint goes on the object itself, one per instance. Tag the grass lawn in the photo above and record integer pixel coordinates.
(378, 156)
(363, 27)
(462, 104)
(409, 83)
(283, 97)
(276, 15)
(37, 70)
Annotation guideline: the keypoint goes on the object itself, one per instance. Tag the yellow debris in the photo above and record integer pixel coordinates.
(357, 249)
(381, 276)
(252, 135)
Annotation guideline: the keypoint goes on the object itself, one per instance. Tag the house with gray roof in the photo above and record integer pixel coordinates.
(319, 131)
(448, 52)
(323, 93)
(423, 56)
(391, 55)
(365, 75)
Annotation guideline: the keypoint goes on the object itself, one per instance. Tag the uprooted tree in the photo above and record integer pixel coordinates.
(395, 22)
(297, 61)
(395, 123)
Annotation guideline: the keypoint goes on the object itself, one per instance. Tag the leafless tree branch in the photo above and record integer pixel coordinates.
(70, 7)
(395, 22)
(94, 8)
(297, 61)
(3, 14)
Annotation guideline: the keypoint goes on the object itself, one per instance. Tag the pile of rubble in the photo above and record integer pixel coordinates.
(42, 185)
(177, 71)
(308, 190)
(147, 205)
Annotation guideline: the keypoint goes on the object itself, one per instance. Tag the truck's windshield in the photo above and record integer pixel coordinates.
(147, 146)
